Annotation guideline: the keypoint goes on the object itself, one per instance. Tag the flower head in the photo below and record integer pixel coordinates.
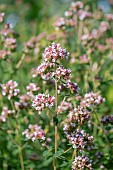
(42, 101)
(5, 114)
(10, 43)
(79, 138)
(64, 106)
(72, 86)
(76, 6)
(54, 53)
(44, 70)
(81, 162)
(10, 89)
(79, 115)
(32, 87)
(62, 73)
(4, 54)
(24, 102)
(34, 132)
(60, 23)
(92, 99)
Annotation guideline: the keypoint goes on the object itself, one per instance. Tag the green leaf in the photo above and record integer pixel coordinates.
(64, 164)
(45, 153)
(45, 163)
(57, 154)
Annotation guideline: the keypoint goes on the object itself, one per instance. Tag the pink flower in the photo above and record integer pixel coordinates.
(78, 138)
(24, 102)
(79, 115)
(54, 53)
(81, 162)
(62, 73)
(64, 106)
(76, 6)
(4, 54)
(84, 14)
(73, 87)
(84, 59)
(32, 87)
(42, 101)
(104, 26)
(9, 89)
(109, 17)
(44, 70)
(5, 114)
(60, 23)
(34, 132)
(92, 99)
(10, 43)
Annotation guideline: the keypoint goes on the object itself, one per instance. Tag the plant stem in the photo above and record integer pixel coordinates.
(74, 154)
(67, 150)
(56, 127)
(20, 61)
(21, 159)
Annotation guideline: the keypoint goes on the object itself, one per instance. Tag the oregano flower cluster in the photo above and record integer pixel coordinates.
(73, 128)
(76, 12)
(10, 89)
(50, 69)
(42, 101)
(80, 163)
(34, 132)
